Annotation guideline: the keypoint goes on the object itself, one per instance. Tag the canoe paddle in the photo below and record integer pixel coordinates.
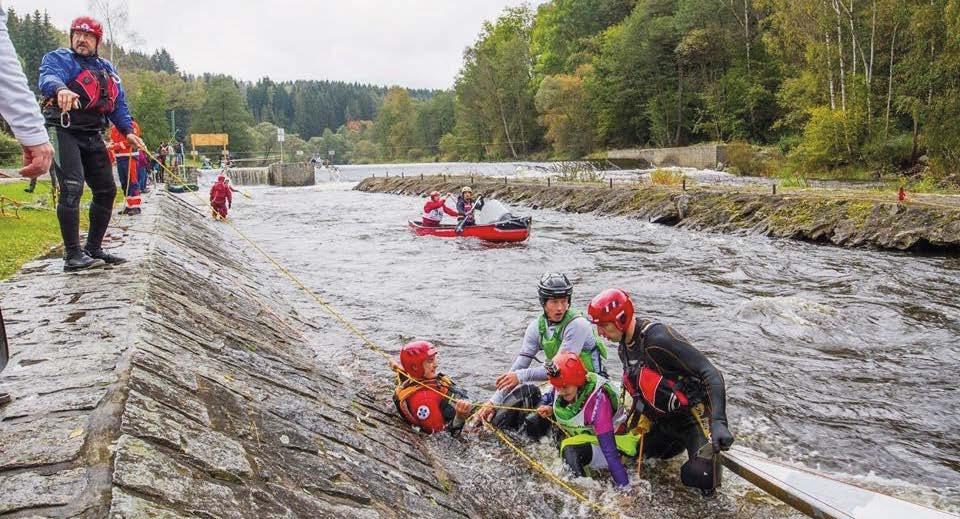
(470, 212)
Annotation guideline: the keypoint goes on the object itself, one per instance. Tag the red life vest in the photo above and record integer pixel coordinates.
(98, 90)
(660, 394)
(420, 406)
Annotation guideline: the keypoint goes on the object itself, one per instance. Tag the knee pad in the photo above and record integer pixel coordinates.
(702, 473)
(70, 193)
(105, 197)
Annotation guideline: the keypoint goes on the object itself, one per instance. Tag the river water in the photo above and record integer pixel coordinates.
(845, 361)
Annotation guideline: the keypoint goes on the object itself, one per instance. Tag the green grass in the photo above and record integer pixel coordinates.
(23, 239)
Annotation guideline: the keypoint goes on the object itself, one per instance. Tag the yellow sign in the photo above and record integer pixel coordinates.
(209, 139)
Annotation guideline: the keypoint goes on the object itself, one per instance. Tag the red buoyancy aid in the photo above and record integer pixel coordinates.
(660, 394)
(420, 406)
(98, 90)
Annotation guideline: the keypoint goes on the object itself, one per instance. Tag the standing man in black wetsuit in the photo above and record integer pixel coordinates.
(82, 93)
(677, 393)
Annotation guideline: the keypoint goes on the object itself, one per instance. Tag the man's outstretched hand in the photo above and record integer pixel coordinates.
(36, 160)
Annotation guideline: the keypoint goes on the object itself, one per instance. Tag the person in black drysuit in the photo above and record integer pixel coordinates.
(82, 92)
(4, 356)
(673, 385)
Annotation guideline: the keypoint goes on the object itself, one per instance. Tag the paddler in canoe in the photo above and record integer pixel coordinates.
(434, 209)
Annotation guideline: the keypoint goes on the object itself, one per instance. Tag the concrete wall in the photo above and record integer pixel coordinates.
(291, 174)
(181, 384)
(701, 156)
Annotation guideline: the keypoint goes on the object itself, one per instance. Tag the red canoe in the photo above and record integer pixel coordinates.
(517, 229)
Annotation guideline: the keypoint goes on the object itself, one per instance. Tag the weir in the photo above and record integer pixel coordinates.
(181, 384)
(849, 219)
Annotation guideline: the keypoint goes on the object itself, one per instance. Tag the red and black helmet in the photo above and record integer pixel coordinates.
(611, 306)
(414, 354)
(566, 369)
(88, 25)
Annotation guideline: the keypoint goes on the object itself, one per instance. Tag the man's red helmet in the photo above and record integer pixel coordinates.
(611, 306)
(566, 369)
(414, 354)
(221, 178)
(88, 25)
(434, 194)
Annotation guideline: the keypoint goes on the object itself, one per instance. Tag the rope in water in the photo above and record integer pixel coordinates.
(374, 347)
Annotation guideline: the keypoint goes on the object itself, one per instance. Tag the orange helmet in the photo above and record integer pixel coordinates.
(566, 369)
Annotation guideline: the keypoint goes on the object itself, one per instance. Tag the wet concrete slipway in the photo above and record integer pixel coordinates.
(196, 381)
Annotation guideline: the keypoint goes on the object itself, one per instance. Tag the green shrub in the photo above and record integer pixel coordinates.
(666, 177)
(10, 151)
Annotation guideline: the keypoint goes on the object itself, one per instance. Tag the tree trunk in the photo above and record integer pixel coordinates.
(916, 136)
(506, 128)
(853, 42)
(746, 31)
(893, 43)
(676, 140)
(843, 73)
(833, 96)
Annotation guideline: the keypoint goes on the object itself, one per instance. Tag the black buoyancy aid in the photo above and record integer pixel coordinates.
(661, 395)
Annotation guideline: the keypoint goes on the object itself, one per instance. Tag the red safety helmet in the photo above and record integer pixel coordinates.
(414, 354)
(566, 369)
(611, 306)
(434, 194)
(221, 178)
(88, 25)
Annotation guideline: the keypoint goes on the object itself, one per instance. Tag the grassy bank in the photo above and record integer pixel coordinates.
(35, 231)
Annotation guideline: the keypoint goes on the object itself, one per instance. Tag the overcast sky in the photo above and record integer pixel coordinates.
(413, 43)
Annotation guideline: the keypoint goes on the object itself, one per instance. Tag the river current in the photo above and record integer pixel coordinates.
(843, 361)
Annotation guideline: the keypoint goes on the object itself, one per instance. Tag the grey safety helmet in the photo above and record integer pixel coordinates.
(554, 285)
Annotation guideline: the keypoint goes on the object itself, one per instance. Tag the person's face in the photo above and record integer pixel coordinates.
(555, 308)
(83, 43)
(609, 331)
(430, 367)
(568, 393)
(468, 196)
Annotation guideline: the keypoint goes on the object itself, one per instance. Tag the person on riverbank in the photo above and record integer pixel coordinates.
(221, 198)
(82, 93)
(18, 107)
(678, 395)
(466, 206)
(558, 328)
(4, 357)
(434, 209)
(127, 168)
(584, 406)
(426, 398)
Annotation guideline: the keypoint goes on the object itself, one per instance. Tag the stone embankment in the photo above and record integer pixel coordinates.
(845, 218)
(180, 385)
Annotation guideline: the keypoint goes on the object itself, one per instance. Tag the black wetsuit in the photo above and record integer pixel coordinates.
(661, 348)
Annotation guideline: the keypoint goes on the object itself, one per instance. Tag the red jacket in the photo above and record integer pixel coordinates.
(119, 143)
(430, 209)
(220, 193)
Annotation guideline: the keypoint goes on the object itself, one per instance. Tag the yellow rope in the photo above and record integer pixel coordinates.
(373, 346)
(550, 475)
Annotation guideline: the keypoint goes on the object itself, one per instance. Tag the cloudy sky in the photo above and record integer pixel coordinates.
(413, 43)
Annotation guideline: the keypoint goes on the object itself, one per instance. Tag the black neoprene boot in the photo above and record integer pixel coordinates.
(100, 254)
(78, 259)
